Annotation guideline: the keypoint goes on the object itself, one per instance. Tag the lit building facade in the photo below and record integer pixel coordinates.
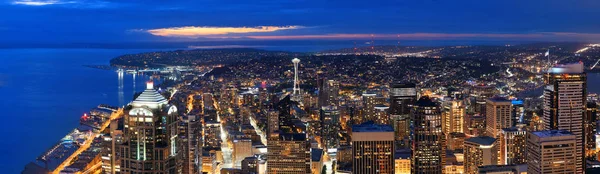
(512, 147)
(150, 134)
(373, 149)
(453, 116)
(427, 147)
(590, 130)
(474, 125)
(369, 102)
(242, 148)
(565, 104)
(330, 121)
(288, 153)
(479, 151)
(402, 97)
(498, 116)
(551, 151)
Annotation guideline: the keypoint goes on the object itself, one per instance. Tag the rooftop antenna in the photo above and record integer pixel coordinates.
(398, 46)
(355, 49)
(372, 44)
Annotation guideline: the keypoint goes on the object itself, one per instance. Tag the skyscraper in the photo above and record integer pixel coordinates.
(565, 103)
(273, 122)
(288, 153)
(498, 116)
(369, 106)
(330, 121)
(150, 134)
(242, 148)
(427, 137)
(402, 97)
(328, 93)
(480, 151)
(288, 148)
(590, 129)
(372, 148)
(512, 145)
(453, 116)
(551, 151)
(474, 125)
(189, 144)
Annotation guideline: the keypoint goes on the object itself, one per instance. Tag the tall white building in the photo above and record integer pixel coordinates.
(565, 104)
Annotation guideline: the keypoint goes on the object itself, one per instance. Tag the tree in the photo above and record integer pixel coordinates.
(324, 171)
(333, 167)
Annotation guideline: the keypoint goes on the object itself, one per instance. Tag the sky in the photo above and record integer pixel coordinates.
(68, 22)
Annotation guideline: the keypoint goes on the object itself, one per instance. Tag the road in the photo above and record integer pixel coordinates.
(87, 142)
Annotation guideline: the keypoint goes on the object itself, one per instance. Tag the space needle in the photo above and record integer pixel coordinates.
(296, 92)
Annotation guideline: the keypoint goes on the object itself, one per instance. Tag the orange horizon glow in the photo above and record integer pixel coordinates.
(194, 31)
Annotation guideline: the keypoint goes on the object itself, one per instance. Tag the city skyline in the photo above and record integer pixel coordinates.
(301, 86)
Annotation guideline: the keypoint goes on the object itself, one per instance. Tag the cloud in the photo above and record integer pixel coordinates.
(41, 2)
(79, 4)
(194, 32)
(226, 46)
(396, 36)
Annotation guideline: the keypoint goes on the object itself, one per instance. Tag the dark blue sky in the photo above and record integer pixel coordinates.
(112, 21)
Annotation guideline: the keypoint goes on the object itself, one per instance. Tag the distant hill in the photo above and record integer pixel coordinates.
(195, 57)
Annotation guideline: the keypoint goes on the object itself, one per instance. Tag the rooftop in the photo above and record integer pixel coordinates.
(150, 98)
(372, 127)
(551, 133)
(404, 85)
(500, 99)
(316, 154)
(567, 68)
(484, 140)
(425, 101)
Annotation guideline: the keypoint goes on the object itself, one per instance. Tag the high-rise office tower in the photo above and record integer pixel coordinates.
(474, 125)
(329, 92)
(111, 149)
(189, 144)
(402, 162)
(455, 141)
(512, 147)
(427, 137)
(482, 93)
(150, 134)
(242, 148)
(498, 115)
(273, 122)
(565, 103)
(330, 121)
(372, 148)
(369, 102)
(551, 151)
(479, 151)
(288, 148)
(288, 153)
(590, 129)
(453, 116)
(382, 115)
(250, 165)
(212, 133)
(518, 112)
(402, 97)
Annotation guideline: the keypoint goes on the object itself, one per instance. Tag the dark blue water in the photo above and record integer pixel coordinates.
(45, 91)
